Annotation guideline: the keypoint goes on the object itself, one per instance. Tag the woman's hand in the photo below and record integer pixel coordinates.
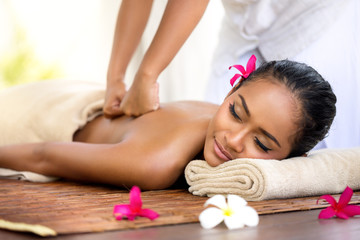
(115, 93)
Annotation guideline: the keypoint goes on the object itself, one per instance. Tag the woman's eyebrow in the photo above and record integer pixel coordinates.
(243, 102)
(267, 134)
(270, 136)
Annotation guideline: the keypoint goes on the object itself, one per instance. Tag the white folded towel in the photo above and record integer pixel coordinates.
(326, 171)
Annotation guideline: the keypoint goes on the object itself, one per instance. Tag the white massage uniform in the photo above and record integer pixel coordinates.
(324, 34)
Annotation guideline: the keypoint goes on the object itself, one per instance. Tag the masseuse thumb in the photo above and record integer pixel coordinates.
(113, 110)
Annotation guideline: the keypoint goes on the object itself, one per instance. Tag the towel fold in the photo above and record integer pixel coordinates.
(51, 110)
(326, 171)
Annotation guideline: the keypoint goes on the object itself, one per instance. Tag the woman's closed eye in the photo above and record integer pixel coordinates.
(233, 112)
(261, 145)
(256, 140)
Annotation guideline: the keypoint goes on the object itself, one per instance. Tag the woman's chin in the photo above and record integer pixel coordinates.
(213, 162)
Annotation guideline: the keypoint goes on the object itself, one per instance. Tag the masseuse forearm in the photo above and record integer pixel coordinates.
(179, 20)
(130, 25)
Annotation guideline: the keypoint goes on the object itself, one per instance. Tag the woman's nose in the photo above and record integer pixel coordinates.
(236, 140)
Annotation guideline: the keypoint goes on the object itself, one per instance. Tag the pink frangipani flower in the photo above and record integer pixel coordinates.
(339, 209)
(250, 67)
(134, 209)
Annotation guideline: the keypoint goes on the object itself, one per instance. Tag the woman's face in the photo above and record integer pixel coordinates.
(256, 121)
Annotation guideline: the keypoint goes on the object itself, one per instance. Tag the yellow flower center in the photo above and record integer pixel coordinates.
(227, 211)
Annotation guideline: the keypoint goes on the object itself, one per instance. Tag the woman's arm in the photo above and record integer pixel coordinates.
(118, 164)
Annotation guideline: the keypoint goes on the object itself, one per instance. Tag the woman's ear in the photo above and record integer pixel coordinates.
(236, 87)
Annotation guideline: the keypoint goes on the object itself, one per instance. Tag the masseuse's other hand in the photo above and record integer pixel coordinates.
(142, 97)
(115, 92)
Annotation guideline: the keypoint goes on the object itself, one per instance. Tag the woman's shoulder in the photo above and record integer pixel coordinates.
(177, 115)
(192, 108)
(176, 126)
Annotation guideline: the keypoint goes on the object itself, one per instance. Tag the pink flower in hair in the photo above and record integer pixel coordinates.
(250, 67)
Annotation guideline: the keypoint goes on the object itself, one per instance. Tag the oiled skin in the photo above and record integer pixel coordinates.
(150, 151)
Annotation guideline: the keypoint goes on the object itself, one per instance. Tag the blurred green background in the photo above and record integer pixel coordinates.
(20, 63)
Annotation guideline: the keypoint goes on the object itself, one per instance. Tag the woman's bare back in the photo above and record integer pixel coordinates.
(188, 119)
(150, 151)
(167, 138)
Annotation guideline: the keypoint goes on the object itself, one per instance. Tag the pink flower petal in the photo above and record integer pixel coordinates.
(234, 78)
(345, 198)
(135, 199)
(330, 199)
(326, 213)
(148, 213)
(342, 215)
(251, 65)
(351, 210)
(239, 67)
(121, 210)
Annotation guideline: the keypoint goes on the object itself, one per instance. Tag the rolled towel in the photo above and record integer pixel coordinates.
(326, 171)
(24, 176)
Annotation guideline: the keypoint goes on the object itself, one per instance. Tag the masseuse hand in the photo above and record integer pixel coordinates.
(115, 93)
(142, 97)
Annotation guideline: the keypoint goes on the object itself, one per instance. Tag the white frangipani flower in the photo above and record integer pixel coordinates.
(235, 213)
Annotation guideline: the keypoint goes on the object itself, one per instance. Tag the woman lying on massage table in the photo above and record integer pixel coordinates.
(280, 110)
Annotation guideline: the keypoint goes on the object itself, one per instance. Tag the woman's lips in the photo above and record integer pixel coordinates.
(221, 152)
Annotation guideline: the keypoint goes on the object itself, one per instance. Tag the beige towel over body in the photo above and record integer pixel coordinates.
(322, 172)
(49, 110)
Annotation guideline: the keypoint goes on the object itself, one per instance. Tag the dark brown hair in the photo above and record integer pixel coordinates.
(314, 94)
